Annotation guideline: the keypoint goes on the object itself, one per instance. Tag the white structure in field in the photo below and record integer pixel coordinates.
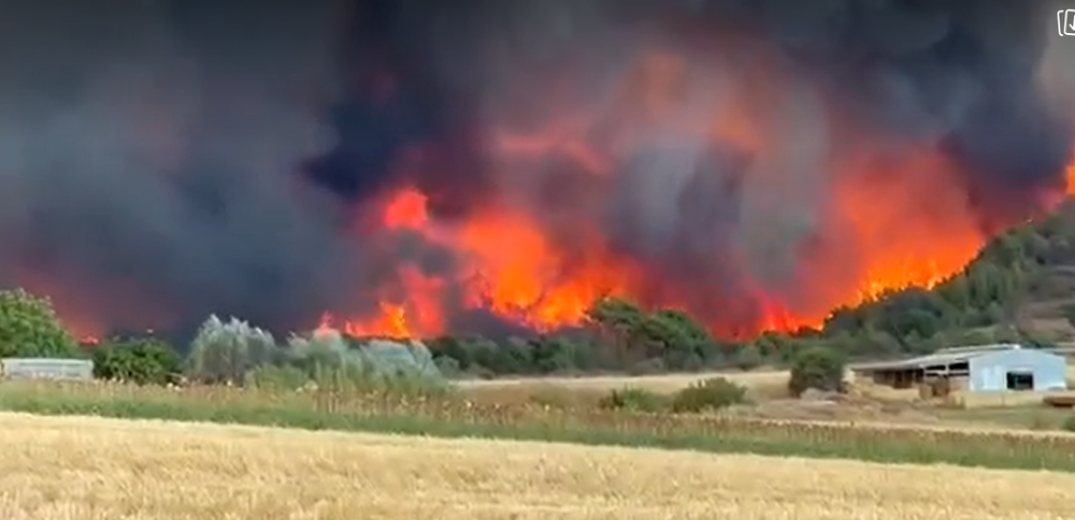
(986, 368)
(46, 368)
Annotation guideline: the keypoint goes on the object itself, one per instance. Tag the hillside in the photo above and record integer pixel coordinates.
(1020, 287)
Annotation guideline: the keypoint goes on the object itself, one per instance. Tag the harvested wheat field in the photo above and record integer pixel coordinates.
(93, 468)
(762, 380)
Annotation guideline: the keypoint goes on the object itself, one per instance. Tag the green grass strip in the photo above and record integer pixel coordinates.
(979, 452)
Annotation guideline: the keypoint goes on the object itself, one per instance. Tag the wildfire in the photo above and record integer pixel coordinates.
(894, 220)
(512, 270)
(679, 175)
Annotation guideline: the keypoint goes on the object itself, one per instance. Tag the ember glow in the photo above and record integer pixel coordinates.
(492, 167)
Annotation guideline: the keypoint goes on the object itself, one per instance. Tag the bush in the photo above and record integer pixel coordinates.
(1069, 424)
(817, 367)
(634, 400)
(330, 359)
(29, 327)
(330, 349)
(140, 361)
(320, 350)
(711, 394)
(389, 358)
(226, 352)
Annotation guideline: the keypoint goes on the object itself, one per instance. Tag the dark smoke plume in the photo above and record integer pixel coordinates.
(176, 158)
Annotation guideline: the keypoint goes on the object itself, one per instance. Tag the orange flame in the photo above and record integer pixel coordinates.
(895, 219)
(889, 220)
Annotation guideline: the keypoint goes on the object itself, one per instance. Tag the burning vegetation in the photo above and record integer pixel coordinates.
(420, 168)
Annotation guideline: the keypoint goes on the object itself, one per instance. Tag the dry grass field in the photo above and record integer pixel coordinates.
(762, 384)
(98, 469)
(768, 387)
(763, 381)
(665, 383)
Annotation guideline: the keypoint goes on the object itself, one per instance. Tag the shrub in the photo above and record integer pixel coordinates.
(29, 327)
(331, 359)
(320, 350)
(330, 349)
(140, 361)
(226, 352)
(711, 394)
(1069, 424)
(634, 400)
(388, 358)
(816, 367)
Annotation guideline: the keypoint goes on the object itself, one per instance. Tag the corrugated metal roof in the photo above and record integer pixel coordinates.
(979, 349)
(941, 357)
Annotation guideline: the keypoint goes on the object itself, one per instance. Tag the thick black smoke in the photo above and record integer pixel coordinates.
(960, 77)
(185, 155)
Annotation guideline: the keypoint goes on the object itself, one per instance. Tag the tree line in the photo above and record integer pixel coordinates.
(235, 353)
(981, 304)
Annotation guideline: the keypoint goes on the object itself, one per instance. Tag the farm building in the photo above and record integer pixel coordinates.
(46, 368)
(977, 369)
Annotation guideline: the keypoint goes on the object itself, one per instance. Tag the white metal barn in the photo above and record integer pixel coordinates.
(988, 368)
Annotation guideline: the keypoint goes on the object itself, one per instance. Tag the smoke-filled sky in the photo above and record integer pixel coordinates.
(161, 160)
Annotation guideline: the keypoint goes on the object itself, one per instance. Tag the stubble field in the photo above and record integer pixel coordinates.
(666, 383)
(96, 469)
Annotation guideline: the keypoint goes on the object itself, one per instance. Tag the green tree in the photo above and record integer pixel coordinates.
(554, 354)
(453, 348)
(486, 354)
(619, 323)
(684, 344)
(137, 360)
(817, 367)
(226, 352)
(668, 335)
(29, 327)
